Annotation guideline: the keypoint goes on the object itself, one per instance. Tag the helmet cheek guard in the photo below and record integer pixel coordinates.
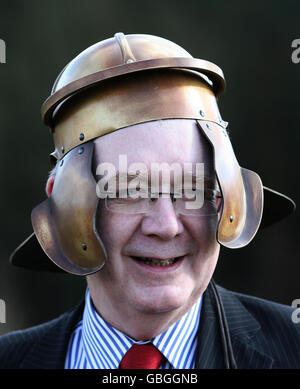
(64, 224)
(241, 189)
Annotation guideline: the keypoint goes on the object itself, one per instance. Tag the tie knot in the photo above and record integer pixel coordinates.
(142, 356)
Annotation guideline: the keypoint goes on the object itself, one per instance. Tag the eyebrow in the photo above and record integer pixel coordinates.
(193, 175)
(209, 179)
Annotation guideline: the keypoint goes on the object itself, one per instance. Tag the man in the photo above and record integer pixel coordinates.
(144, 190)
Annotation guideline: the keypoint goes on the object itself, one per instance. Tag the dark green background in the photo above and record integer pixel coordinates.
(250, 41)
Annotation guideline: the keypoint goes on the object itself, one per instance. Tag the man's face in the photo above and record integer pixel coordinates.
(128, 283)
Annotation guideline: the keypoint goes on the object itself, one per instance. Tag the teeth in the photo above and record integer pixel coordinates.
(157, 262)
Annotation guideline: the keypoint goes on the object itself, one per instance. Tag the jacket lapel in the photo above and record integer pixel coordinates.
(209, 350)
(244, 331)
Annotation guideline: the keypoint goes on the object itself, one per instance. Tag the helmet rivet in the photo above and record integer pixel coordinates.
(80, 150)
(84, 246)
(62, 162)
(231, 219)
(208, 126)
(81, 136)
(129, 60)
(62, 149)
(202, 113)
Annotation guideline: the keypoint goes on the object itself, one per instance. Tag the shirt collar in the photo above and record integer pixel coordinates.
(105, 346)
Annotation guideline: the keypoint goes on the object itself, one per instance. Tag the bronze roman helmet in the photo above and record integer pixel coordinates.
(116, 83)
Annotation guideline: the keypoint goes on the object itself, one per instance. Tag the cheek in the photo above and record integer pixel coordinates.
(207, 251)
(203, 230)
(115, 230)
(207, 248)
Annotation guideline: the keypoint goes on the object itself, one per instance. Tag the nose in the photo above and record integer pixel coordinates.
(162, 221)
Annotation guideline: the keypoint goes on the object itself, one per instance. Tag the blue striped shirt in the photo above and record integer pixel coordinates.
(95, 344)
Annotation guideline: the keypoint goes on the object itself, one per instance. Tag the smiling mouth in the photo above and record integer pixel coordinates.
(158, 261)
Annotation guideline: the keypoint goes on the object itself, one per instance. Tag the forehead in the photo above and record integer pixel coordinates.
(176, 140)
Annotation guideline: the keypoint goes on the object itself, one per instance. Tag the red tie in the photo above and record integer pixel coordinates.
(142, 356)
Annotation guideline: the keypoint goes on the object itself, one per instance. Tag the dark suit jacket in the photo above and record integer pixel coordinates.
(262, 333)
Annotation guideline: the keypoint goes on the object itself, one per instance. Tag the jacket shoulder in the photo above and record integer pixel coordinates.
(263, 310)
(278, 335)
(15, 345)
(20, 346)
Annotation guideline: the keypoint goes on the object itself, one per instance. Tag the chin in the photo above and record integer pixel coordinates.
(161, 302)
